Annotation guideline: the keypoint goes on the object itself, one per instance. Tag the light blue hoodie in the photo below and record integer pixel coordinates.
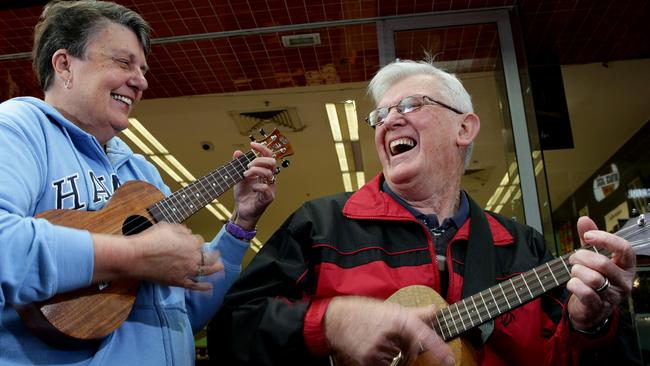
(47, 162)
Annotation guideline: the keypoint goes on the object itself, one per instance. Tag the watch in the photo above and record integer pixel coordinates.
(598, 329)
(239, 232)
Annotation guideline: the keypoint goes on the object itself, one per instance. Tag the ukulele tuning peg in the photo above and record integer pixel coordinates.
(634, 213)
(251, 137)
(285, 163)
(262, 132)
(277, 170)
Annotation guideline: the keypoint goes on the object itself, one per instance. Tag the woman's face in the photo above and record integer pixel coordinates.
(106, 83)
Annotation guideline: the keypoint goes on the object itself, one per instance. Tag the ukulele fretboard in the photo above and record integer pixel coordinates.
(483, 306)
(185, 202)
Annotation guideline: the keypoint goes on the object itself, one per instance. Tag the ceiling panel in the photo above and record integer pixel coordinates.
(555, 32)
(228, 48)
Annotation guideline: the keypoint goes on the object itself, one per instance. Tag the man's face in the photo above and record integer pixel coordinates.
(420, 145)
(107, 82)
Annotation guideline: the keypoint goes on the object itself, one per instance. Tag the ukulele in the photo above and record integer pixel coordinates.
(82, 317)
(451, 321)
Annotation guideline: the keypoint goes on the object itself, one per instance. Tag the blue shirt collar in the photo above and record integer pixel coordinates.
(432, 220)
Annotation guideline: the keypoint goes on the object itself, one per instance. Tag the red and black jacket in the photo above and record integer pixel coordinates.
(368, 244)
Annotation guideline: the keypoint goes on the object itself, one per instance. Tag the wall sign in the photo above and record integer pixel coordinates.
(607, 183)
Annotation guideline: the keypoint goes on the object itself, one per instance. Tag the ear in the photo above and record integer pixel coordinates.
(61, 64)
(469, 128)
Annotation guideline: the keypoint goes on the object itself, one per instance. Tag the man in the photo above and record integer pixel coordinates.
(317, 287)
(63, 153)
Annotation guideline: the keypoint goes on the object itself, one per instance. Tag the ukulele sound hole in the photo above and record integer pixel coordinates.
(135, 224)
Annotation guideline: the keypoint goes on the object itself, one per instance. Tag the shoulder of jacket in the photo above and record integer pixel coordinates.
(329, 200)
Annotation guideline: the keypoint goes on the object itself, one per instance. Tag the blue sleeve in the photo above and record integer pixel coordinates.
(202, 305)
(37, 259)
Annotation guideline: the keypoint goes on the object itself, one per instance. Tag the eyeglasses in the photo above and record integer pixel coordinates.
(406, 105)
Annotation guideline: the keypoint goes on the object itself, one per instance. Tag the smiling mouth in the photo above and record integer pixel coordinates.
(121, 98)
(401, 145)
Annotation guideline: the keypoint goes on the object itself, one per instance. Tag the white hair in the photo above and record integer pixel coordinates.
(452, 91)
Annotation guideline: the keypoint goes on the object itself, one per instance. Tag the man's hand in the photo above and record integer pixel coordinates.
(372, 332)
(598, 283)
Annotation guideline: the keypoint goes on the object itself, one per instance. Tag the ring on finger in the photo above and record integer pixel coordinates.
(397, 359)
(604, 286)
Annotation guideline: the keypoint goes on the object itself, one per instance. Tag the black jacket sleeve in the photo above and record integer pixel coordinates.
(261, 320)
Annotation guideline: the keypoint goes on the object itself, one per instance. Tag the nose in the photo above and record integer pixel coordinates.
(393, 118)
(138, 81)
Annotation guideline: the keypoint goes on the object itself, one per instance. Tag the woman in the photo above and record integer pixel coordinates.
(62, 153)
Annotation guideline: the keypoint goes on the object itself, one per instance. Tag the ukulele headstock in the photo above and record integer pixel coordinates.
(636, 230)
(277, 143)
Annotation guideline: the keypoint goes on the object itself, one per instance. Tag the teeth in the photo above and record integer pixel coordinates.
(401, 145)
(128, 101)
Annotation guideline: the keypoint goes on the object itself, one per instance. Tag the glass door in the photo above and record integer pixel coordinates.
(477, 46)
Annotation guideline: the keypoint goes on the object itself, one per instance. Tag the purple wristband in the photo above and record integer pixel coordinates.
(239, 232)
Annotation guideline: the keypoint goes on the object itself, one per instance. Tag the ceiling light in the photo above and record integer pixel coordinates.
(215, 212)
(256, 245)
(511, 176)
(148, 136)
(161, 163)
(347, 147)
(343, 160)
(351, 117)
(139, 143)
(506, 196)
(180, 167)
(361, 179)
(333, 119)
(347, 182)
(504, 180)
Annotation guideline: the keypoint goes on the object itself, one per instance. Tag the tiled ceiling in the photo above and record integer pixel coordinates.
(203, 46)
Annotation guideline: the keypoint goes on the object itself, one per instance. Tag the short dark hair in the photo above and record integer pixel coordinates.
(70, 25)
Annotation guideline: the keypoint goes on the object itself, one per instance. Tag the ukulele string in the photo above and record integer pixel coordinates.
(144, 225)
(512, 297)
(636, 229)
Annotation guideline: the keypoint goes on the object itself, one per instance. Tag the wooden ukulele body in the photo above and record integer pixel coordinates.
(419, 296)
(83, 316)
(76, 318)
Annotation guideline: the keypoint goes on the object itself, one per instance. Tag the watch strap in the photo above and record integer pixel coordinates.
(239, 232)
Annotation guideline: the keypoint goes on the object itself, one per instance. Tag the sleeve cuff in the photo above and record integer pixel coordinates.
(232, 249)
(74, 270)
(313, 330)
(585, 341)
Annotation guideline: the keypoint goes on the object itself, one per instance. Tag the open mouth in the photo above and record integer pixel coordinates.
(401, 145)
(121, 98)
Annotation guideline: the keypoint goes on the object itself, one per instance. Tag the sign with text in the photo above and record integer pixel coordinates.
(606, 183)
